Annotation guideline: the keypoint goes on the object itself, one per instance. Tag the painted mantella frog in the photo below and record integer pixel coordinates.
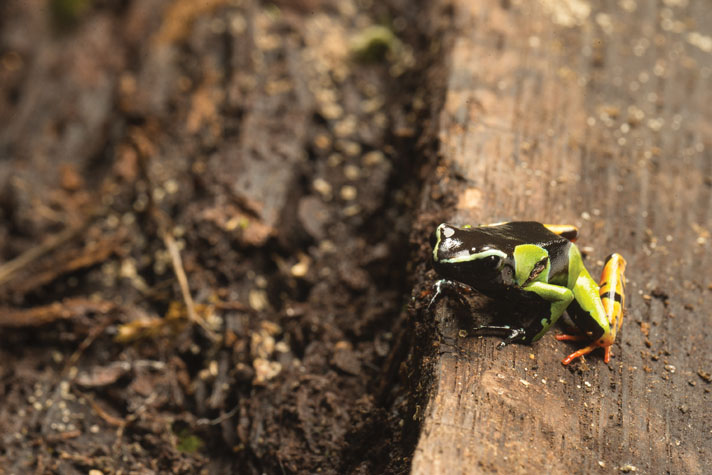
(521, 261)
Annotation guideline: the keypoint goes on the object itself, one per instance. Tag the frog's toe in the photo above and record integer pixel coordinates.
(578, 354)
(601, 343)
(587, 350)
(516, 335)
(438, 293)
(565, 337)
(435, 298)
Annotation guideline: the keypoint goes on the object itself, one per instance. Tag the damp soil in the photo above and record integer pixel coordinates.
(207, 221)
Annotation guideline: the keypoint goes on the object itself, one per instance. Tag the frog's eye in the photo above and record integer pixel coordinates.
(492, 261)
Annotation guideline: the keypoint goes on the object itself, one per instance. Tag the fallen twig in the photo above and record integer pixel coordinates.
(42, 315)
(8, 269)
(183, 283)
(101, 412)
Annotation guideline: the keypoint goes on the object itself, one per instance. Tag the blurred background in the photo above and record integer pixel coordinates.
(205, 210)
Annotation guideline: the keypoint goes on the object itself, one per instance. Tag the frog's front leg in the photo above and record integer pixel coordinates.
(451, 287)
(511, 335)
(559, 298)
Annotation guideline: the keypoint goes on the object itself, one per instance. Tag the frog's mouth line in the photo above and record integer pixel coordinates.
(473, 257)
(466, 257)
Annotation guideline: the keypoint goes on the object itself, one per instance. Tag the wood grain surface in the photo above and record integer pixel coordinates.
(596, 114)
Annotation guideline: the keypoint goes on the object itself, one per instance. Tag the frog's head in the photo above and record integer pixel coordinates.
(467, 256)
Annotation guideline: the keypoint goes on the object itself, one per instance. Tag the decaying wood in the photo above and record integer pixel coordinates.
(595, 114)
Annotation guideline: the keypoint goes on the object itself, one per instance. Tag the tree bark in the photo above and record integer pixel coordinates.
(595, 115)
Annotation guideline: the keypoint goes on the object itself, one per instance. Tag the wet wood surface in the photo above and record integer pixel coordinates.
(595, 114)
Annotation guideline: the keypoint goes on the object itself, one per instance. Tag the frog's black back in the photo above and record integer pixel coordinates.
(507, 236)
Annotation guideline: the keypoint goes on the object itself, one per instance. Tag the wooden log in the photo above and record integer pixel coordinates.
(595, 114)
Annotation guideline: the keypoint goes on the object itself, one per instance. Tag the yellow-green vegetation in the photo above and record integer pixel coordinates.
(66, 13)
(374, 43)
(189, 443)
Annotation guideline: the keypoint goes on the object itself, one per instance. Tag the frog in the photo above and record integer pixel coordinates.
(525, 262)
